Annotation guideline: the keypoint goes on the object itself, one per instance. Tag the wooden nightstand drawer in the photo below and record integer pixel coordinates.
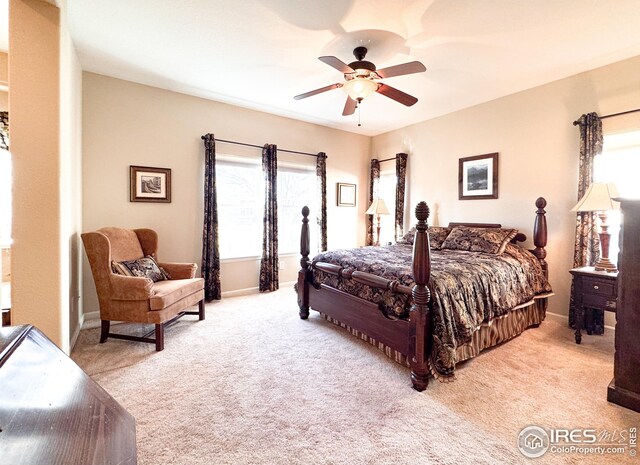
(599, 301)
(598, 287)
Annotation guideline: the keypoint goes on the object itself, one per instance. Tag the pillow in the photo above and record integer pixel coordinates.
(487, 240)
(408, 237)
(146, 267)
(437, 235)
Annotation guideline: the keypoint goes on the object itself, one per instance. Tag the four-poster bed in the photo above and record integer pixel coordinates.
(417, 337)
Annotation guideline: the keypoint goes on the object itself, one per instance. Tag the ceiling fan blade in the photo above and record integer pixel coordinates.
(399, 70)
(396, 95)
(337, 64)
(317, 91)
(349, 107)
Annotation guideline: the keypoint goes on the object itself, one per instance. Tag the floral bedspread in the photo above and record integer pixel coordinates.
(467, 288)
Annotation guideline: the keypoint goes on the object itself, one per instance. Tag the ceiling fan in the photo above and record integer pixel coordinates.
(362, 80)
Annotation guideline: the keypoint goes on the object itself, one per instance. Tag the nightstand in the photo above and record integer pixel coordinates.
(592, 289)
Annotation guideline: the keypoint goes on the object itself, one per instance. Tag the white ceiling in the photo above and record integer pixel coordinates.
(260, 53)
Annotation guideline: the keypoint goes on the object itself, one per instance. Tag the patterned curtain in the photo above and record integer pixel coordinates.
(210, 244)
(4, 130)
(374, 181)
(401, 174)
(587, 242)
(321, 217)
(269, 262)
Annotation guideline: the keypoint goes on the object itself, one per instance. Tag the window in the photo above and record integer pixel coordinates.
(240, 186)
(387, 192)
(297, 187)
(619, 163)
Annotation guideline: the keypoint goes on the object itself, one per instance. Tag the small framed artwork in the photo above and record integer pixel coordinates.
(478, 177)
(346, 195)
(147, 184)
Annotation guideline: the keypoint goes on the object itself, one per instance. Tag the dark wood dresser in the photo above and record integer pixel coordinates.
(625, 387)
(52, 412)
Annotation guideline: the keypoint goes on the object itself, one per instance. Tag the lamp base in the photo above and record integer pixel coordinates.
(377, 242)
(604, 264)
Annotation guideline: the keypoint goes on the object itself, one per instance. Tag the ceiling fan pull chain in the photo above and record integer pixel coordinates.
(359, 114)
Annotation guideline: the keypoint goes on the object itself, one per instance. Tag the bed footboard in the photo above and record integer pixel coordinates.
(304, 273)
(419, 316)
(411, 338)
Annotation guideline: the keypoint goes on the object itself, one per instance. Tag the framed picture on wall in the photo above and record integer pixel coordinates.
(346, 194)
(148, 184)
(478, 177)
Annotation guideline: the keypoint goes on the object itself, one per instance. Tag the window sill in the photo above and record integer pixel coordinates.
(240, 259)
(256, 257)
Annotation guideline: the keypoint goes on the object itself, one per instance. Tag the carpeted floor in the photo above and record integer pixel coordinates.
(254, 384)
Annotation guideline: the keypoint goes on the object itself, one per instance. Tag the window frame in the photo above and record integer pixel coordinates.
(245, 161)
(283, 167)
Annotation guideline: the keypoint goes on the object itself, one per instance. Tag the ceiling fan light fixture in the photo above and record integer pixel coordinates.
(360, 88)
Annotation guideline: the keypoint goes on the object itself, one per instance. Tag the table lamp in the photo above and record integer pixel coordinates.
(599, 198)
(377, 208)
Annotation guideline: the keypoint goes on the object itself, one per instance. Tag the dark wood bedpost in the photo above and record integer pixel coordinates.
(540, 234)
(420, 318)
(303, 284)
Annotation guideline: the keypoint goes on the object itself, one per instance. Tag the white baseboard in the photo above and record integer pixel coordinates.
(251, 290)
(564, 319)
(91, 320)
(76, 333)
(239, 292)
(557, 317)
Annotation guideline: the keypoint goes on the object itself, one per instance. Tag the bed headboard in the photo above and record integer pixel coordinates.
(519, 237)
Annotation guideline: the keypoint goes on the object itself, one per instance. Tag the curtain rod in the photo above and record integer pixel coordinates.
(259, 147)
(575, 123)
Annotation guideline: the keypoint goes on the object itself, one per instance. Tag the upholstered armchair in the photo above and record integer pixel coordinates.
(136, 298)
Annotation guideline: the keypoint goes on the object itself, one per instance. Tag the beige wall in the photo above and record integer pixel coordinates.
(538, 148)
(44, 77)
(130, 124)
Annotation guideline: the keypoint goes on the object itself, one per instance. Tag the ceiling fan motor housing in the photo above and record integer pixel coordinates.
(361, 66)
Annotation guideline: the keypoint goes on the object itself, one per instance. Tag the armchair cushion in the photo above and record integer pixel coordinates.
(145, 267)
(166, 293)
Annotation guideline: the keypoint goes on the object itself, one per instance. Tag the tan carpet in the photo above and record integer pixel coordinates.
(254, 384)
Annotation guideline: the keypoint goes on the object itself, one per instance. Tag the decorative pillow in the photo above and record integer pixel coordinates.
(408, 237)
(488, 240)
(146, 267)
(437, 235)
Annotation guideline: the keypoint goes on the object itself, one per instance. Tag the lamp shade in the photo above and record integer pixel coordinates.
(360, 87)
(598, 198)
(377, 207)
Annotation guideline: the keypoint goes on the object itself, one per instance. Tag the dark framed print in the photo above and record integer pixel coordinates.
(478, 177)
(148, 184)
(346, 194)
